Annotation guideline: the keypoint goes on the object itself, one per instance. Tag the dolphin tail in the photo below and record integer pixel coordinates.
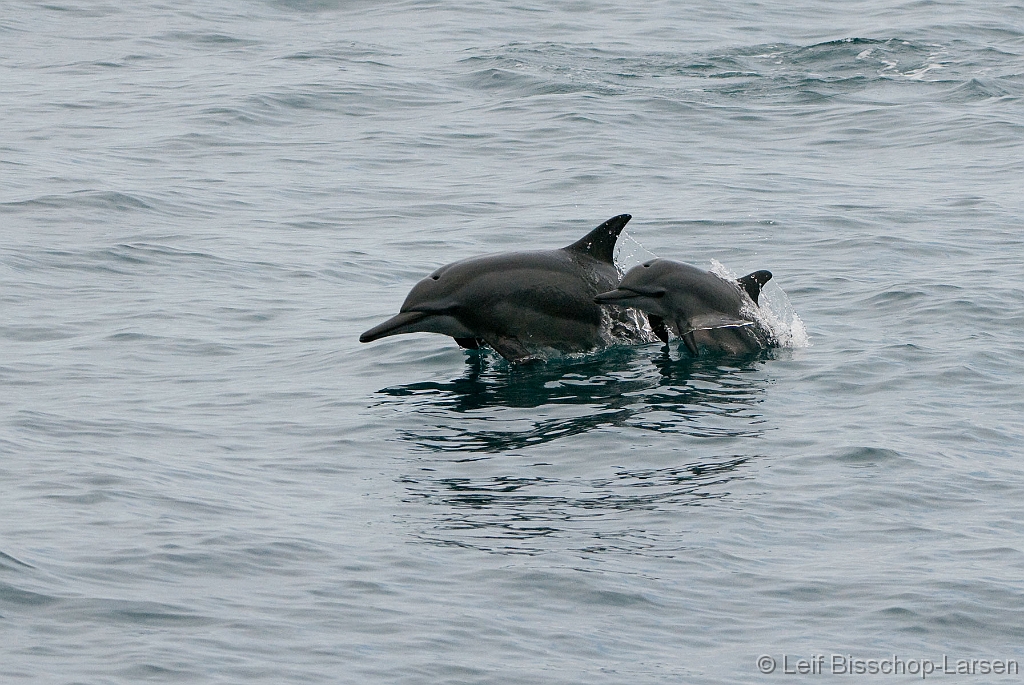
(600, 243)
(752, 283)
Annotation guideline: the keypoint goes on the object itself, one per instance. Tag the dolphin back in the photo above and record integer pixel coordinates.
(522, 303)
(600, 243)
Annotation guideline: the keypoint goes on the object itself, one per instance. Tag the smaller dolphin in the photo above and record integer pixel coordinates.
(521, 303)
(711, 314)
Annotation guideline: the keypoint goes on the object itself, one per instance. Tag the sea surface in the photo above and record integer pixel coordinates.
(206, 478)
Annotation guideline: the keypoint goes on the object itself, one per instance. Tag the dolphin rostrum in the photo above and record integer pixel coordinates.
(707, 311)
(522, 303)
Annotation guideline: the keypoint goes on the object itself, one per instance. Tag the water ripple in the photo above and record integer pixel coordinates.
(616, 390)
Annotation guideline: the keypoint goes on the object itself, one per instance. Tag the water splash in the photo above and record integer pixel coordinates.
(625, 325)
(629, 253)
(775, 312)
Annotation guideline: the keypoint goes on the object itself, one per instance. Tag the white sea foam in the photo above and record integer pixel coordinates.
(775, 312)
(629, 253)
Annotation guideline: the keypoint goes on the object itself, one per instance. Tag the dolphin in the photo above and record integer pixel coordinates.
(710, 313)
(522, 303)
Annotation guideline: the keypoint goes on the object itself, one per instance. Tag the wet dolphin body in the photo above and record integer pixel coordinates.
(710, 313)
(520, 303)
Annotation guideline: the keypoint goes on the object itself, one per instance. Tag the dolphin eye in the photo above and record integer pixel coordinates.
(435, 277)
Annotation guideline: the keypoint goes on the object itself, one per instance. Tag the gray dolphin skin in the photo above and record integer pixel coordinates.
(704, 309)
(521, 303)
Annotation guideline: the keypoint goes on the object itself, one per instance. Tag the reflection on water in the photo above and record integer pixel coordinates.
(535, 514)
(494, 408)
(628, 489)
(501, 471)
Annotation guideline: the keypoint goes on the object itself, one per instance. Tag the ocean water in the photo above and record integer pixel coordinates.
(205, 477)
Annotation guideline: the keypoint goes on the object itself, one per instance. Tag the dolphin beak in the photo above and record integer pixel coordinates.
(392, 326)
(615, 296)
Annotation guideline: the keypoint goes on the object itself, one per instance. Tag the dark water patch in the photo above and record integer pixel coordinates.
(235, 116)
(80, 11)
(317, 6)
(235, 556)
(150, 672)
(37, 334)
(894, 298)
(1001, 553)
(69, 429)
(83, 199)
(282, 557)
(557, 586)
(369, 54)
(988, 312)
(52, 425)
(670, 482)
(384, 103)
(528, 70)
(148, 253)
(620, 388)
(12, 597)
(514, 83)
(869, 456)
(194, 347)
(496, 441)
(205, 39)
(7, 562)
(285, 102)
(200, 144)
(980, 89)
(85, 498)
(124, 259)
(7, 25)
(869, 248)
(132, 614)
(135, 337)
(96, 68)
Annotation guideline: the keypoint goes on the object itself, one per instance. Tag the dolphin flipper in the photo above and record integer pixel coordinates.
(658, 326)
(691, 343)
(469, 343)
(510, 348)
(752, 283)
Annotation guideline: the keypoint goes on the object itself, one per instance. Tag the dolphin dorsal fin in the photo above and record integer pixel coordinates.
(600, 243)
(753, 283)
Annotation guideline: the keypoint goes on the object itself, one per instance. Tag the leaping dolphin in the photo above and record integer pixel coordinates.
(521, 303)
(711, 314)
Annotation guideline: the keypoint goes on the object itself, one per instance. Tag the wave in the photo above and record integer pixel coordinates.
(761, 70)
